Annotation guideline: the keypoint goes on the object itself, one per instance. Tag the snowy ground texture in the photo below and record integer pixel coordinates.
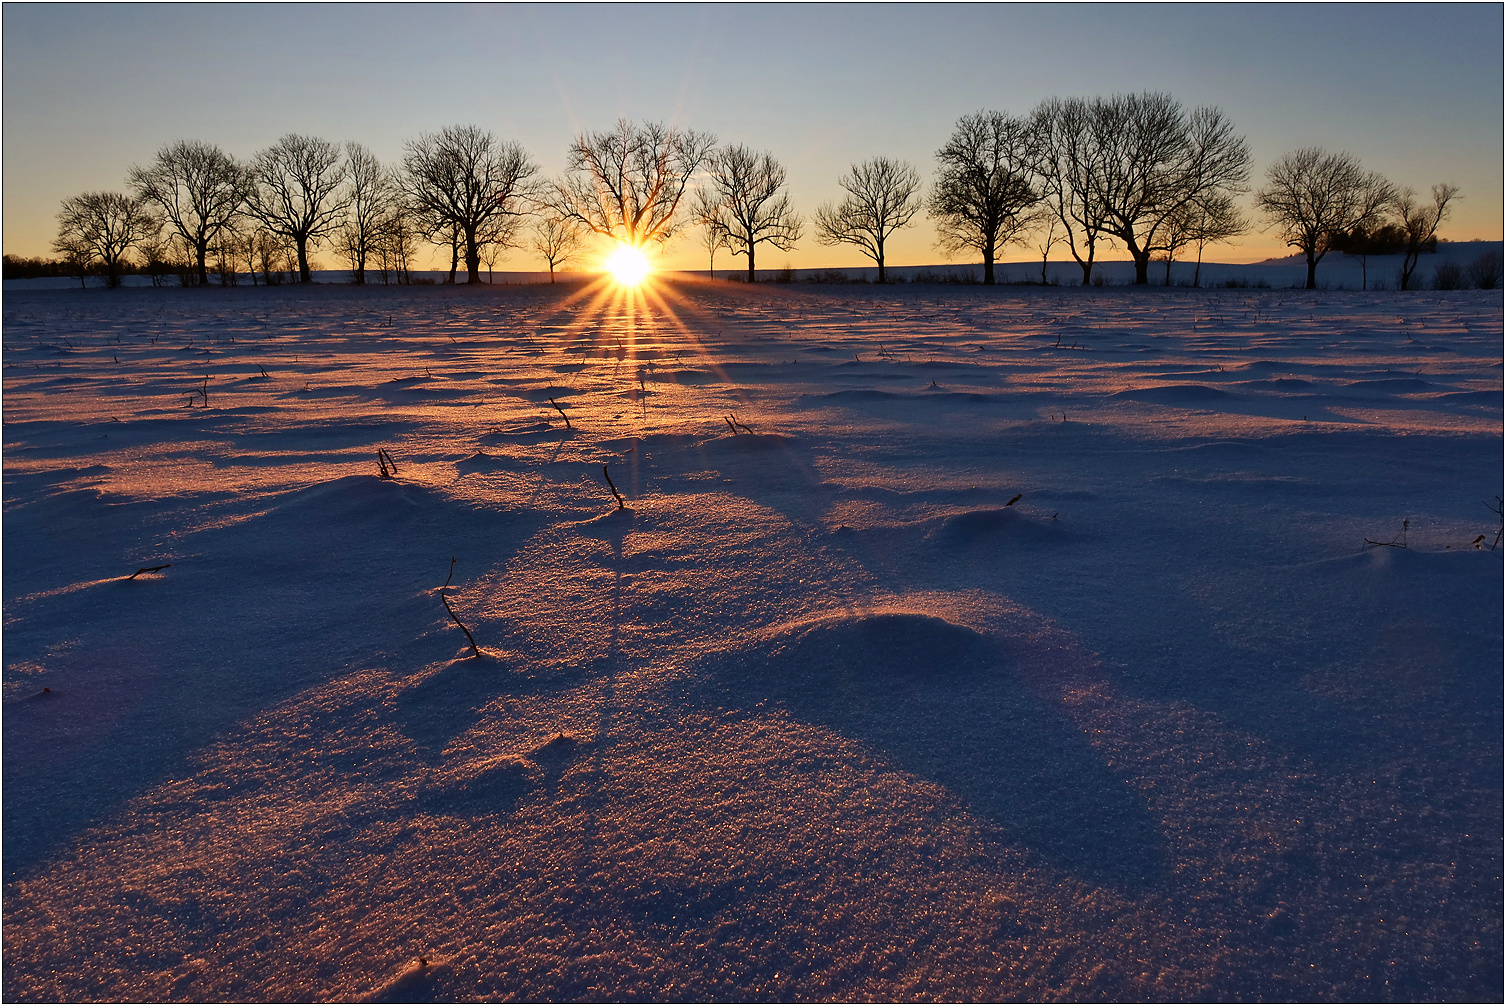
(819, 714)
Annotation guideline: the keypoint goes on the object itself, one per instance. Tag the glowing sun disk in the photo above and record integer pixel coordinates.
(628, 265)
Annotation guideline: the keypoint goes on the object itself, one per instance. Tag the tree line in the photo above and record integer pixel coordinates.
(1140, 171)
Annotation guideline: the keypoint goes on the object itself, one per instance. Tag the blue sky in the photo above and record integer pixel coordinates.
(1414, 91)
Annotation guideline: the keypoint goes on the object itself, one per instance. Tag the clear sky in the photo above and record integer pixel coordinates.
(1415, 91)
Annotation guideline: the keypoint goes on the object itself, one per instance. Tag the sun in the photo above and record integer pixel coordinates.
(628, 265)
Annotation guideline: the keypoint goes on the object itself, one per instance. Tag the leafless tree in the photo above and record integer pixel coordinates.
(78, 255)
(744, 204)
(104, 226)
(199, 189)
(1208, 220)
(275, 256)
(1155, 159)
(1312, 196)
(397, 240)
(370, 192)
(157, 257)
(1419, 223)
(627, 184)
(881, 199)
(984, 192)
(713, 235)
(557, 241)
(466, 184)
(296, 190)
(1067, 159)
(1048, 231)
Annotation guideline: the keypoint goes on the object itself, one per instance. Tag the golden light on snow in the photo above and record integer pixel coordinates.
(628, 265)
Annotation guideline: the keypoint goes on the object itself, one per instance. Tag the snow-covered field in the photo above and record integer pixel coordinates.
(1015, 644)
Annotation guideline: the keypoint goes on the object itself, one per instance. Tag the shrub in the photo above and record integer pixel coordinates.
(1485, 271)
(1449, 276)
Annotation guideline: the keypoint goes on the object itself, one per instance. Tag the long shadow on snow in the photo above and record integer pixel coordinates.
(336, 573)
(944, 702)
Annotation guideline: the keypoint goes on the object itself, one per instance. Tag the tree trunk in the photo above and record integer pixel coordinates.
(751, 278)
(454, 258)
(1142, 267)
(1312, 272)
(1197, 272)
(304, 276)
(880, 260)
(1364, 274)
(1087, 270)
(202, 249)
(112, 273)
(1044, 259)
(551, 271)
(988, 264)
(1168, 268)
(472, 258)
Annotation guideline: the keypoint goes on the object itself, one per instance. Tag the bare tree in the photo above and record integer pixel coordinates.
(713, 233)
(103, 226)
(1155, 159)
(1419, 223)
(199, 189)
(1362, 242)
(274, 254)
(627, 184)
(881, 199)
(1047, 228)
(296, 191)
(157, 256)
(1210, 219)
(984, 190)
(1067, 161)
(1311, 196)
(78, 255)
(397, 240)
(370, 193)
(743, 202)
(466, 184)
(557, 240)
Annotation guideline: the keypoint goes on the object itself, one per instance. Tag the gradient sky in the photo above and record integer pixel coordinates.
(1414, 91)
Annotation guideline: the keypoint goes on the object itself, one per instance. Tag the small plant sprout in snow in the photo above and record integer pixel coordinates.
(446, 602)
(613, 486)
(562, 414)
(1399, 542)
(386, 464)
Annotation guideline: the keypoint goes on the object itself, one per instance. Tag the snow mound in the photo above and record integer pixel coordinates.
(752, 443)
(1175, 394)
(865, 646)
(1000, 524)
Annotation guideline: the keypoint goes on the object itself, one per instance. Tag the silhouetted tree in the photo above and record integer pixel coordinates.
(881, 199)
(103, 226)
(1207, 220)
(296, 191)
(744, 205)
(627, 184)
(1311, 195)
(984, 192)
(370, 192)
(397, 240)
(465, 183)
(1419, 223)
(199, 189)
(1067, 159)
(713, 234)
(1364, 241)
(1154, 159)
(1047, 228)
(557, 241)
